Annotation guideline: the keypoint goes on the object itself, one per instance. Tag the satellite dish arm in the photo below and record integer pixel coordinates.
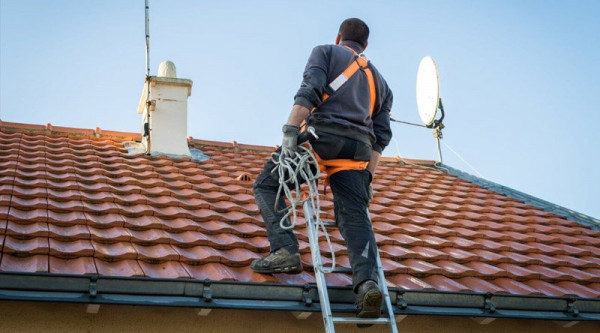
(438, 122)
(441, 109)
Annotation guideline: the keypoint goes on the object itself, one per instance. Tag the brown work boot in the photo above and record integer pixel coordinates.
(280, 261)
(368, 301)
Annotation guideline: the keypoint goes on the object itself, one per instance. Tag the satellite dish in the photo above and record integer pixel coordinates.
(428, 90)
(428, 99)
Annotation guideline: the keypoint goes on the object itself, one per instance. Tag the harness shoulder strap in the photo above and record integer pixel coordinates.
(362, 63)
(372, 93)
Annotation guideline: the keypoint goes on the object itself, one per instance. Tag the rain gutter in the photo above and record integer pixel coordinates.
(94, 289)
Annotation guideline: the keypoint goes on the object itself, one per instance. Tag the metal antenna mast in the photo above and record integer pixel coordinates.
(146, 129)
(147, 39)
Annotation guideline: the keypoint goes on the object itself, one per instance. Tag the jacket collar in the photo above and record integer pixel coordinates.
(353, 45)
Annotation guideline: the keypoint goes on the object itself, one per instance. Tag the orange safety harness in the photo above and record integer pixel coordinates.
(335, 165)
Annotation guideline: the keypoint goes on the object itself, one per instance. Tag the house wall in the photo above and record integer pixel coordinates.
(60, 317)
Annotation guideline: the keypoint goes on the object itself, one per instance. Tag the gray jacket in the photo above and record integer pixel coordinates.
(345, 112)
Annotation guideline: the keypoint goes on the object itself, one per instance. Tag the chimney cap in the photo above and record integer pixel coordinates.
(167, 69)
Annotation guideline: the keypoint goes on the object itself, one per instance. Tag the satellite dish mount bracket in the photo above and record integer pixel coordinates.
(437, 126)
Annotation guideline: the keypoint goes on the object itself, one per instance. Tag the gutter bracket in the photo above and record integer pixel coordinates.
(571, 309)
(93, 288)
(206, 293)
(400, 301)
(306, 299)
(488, 306)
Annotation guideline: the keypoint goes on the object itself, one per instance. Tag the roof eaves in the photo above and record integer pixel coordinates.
(94, 289)
(570, 214)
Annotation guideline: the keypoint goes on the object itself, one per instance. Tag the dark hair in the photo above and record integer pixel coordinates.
(355, 30)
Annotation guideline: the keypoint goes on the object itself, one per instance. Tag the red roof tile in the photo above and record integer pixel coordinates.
(114, 251)
(19, 230)
(406, 281)
(482, 286)
(71, 249)
(31, 264)
(579, 289)
(82, 205)
(66, 217)
(441, 282)
(34, 215)
(516, 287)
(118, 268)
(169, 269)
(23, 247)
(78, 265)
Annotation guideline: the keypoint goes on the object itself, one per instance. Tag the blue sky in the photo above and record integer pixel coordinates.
(519, 79)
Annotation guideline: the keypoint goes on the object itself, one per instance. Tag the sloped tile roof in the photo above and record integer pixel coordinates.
(73, 201)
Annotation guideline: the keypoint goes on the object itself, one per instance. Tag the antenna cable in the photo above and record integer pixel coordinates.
(406, 122)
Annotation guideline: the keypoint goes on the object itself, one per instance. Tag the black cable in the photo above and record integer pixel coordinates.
(406, 122)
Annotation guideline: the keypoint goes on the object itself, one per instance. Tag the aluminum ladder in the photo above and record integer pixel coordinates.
(328, 319)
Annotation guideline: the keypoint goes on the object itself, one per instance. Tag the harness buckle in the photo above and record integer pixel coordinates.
(311, 130)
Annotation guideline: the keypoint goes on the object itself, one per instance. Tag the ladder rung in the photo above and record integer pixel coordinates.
(357, 320)
(338, 269)
(329, 223)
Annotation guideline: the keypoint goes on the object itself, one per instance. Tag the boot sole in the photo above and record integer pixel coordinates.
(283, 269)
(371, 307)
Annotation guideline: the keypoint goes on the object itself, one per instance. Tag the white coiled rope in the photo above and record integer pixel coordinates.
(293, 170)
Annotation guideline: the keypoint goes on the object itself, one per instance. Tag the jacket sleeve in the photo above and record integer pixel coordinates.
(314, 80)
(381, 122)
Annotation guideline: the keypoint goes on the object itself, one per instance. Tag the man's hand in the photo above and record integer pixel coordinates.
(373, 164)
(371, 168)
(289, 145)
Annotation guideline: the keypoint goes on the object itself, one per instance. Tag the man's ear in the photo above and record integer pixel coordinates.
(338, 39)
(366, 44)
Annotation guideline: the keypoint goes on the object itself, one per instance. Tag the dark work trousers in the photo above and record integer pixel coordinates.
(351, 208)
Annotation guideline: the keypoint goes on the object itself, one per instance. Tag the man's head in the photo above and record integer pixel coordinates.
(355, 30)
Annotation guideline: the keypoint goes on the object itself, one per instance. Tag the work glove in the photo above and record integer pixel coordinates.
(289, 145)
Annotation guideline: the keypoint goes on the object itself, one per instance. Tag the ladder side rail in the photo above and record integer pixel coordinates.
(317, 264)
(386, 295)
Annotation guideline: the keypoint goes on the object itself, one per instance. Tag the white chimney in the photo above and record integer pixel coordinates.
(164, 111)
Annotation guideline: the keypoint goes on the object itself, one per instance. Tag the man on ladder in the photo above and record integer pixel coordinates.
(347, 103)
